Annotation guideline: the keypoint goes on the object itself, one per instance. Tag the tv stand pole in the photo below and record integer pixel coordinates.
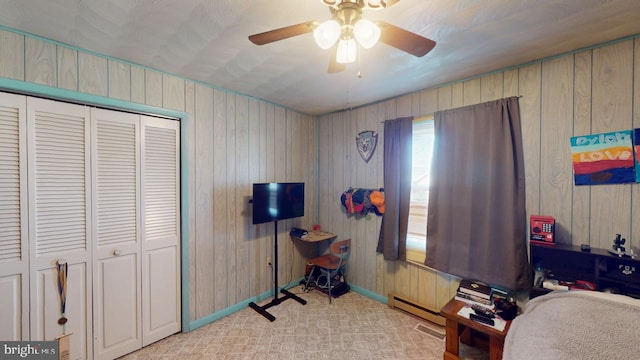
(262, 310)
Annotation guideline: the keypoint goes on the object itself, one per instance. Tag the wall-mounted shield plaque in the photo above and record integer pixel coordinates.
(366, 142)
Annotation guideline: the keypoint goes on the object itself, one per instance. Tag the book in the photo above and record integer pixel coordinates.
(472, 302)
(472, 299)
(498, 294)
(475, 294)
(475, 288)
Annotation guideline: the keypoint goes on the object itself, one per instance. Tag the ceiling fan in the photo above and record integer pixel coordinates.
(347, 29)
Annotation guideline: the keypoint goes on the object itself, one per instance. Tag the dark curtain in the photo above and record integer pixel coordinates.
(392, 242)
(476, 225)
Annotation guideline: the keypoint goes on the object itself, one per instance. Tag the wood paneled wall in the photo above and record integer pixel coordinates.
(236, 140)
(592, 91)
(233, 141)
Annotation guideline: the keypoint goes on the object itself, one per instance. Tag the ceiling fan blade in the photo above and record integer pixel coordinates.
(334, 66)
(282, 33)
(404, 40)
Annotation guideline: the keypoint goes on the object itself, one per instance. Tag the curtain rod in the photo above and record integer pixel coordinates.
(421, 118)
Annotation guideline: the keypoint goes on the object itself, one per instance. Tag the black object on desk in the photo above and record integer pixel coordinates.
(299, 233)
(482, 319)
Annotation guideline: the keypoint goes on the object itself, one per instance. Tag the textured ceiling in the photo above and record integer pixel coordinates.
(206, 40)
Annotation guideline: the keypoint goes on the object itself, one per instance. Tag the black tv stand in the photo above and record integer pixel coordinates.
(262, 310)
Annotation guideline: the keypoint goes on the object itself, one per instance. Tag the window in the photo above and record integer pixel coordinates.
(422, 142)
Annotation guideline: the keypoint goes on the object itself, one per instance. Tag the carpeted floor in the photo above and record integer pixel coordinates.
(351, 327)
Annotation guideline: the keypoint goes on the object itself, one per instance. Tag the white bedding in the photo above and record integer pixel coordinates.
(576, 325)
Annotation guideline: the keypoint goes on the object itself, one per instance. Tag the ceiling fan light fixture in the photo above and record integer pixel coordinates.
(366, 32)
(346, 51)
(347, 30)
(327, 33)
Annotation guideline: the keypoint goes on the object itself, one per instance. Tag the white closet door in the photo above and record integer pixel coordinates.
(116, 233)
(59, 220)
(14, 256)
(161, 228)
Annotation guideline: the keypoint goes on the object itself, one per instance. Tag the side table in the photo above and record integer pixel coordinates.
(457, 324)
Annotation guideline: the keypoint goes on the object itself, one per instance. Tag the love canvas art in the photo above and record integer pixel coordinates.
(606, 158)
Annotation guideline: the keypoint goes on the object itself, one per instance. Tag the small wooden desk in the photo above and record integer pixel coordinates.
(316, 236)
(457, 324)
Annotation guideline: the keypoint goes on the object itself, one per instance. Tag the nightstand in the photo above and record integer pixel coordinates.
(460, 328)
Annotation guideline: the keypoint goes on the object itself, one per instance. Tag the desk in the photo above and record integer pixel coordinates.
(316, 236)
(313, 237)
(459, 327)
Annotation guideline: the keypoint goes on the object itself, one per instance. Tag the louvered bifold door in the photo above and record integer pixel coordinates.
(116, 233)
(161, 228)
(14, 256)
(59, 221)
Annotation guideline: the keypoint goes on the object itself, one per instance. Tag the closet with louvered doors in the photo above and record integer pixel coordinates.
(98, 190)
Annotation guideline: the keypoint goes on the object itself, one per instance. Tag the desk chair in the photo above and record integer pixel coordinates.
(330, 265)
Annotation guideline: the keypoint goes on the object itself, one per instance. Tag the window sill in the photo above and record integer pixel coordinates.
(420, 264)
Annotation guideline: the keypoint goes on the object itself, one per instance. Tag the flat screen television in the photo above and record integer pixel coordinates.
(277, 201)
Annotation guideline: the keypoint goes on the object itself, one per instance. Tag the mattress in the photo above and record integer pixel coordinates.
(576, 325)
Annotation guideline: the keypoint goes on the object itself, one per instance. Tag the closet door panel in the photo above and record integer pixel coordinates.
(117, 307)
(11, 301)
(116, 233)
(59, 220)
(14, 255)
(45, 308)
(161, 228)
(162, 290)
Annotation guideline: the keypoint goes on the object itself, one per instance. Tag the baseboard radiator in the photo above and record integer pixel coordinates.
(412, 307)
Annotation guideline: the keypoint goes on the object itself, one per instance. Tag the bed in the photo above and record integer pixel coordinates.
(576, 325)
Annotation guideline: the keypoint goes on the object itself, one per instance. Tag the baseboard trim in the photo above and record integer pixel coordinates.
(266, 295)
(237, 307)
(369, 294)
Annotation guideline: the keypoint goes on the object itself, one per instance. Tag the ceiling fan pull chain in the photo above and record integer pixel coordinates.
(359, 74)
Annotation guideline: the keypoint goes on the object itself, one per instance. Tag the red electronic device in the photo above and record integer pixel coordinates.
(542, 230)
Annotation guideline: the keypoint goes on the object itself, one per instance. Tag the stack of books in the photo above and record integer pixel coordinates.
(474, 292)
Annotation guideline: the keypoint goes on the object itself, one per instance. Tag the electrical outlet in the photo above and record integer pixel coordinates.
(269, 261)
